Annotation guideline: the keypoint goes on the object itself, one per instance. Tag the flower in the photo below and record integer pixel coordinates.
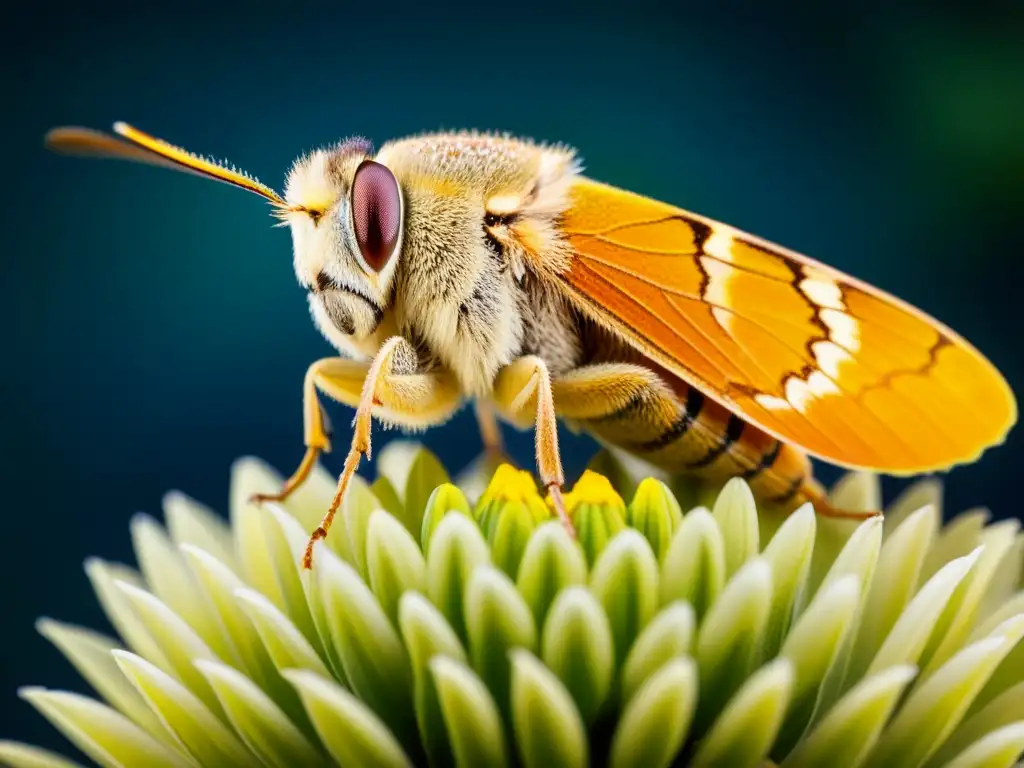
(440, 628)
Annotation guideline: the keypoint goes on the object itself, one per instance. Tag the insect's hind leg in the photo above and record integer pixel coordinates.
(523, 389)
(490, 430)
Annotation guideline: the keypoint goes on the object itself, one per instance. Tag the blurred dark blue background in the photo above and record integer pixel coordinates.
(153, 327)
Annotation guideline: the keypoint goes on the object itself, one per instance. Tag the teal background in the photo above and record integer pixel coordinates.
(153, 327)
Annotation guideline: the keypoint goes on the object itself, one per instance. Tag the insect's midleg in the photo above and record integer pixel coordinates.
(684, 432)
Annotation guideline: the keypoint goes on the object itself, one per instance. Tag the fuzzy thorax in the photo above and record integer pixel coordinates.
(479, 216)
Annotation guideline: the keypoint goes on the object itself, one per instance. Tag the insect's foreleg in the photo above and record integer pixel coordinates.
(395, 390)
(342, 380)
(490, 431)
(521, 389)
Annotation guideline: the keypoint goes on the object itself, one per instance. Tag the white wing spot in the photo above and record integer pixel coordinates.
(821, 385)
(798, 393)
(773, 403)
(719, 245)
(717, 292)
(724, 318)
(823, 292)
(843, 329)
(830, 357)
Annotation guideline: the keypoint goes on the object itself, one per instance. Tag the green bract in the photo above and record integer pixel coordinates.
(448, 624)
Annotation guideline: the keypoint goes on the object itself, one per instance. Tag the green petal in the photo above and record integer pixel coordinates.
(177, 642)
(320, 615)
(105, 578)
(456, 549)
(857, 492)
(287, 647)
(190, 522)
(847, 733)
(169, 578)
(389, 498)
(693, 569)
(425, 632)
(1004, 709)
(355, 512)
(307, 504)
(858, 558)
(261, 724)
(1008, 578)
(625, 583)
(813, 647)
(960, 536)
(552, 561)
(957, 619)
(497, 620)
(511, 532)
(895, 583)
(654, 724)
(597, 513)
(250, 476)
(394, 562)
(547, 725)
(668, 635)
(17, 755)
(199, 731)
(89, 652)
(470, 715)
(367, 643)
(1009, 672)
(1007, 610)
(414, 472)
(477, 475)
(595, 527)
(352, 733)
(746, 729)
(788, 554)
(285, 540)
(859, 555)
(736, 515)
(907, 639)
(926, 492)
(106, 736)
(426, 635)
(729, 641)
(576, 645)
(655, 512)
(444, 499)
(1000, 748)
(221, 584)
(936, 705)
(614, 467)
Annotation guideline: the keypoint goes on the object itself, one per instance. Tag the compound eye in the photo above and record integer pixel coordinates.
(376, 213)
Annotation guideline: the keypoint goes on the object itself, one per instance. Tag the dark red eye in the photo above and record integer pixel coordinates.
(376, 213)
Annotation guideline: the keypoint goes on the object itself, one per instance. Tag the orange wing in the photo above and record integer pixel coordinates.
(814, 357)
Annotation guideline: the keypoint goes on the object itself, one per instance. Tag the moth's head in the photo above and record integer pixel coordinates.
(345, 211)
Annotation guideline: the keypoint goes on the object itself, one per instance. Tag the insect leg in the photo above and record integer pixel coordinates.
(316, 427)
(396, 391)
(490, 431)
(524, 387)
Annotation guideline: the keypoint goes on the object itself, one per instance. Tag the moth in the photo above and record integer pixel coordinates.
(455, 267)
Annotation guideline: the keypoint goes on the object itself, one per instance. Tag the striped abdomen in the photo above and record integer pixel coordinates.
(675, 427)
